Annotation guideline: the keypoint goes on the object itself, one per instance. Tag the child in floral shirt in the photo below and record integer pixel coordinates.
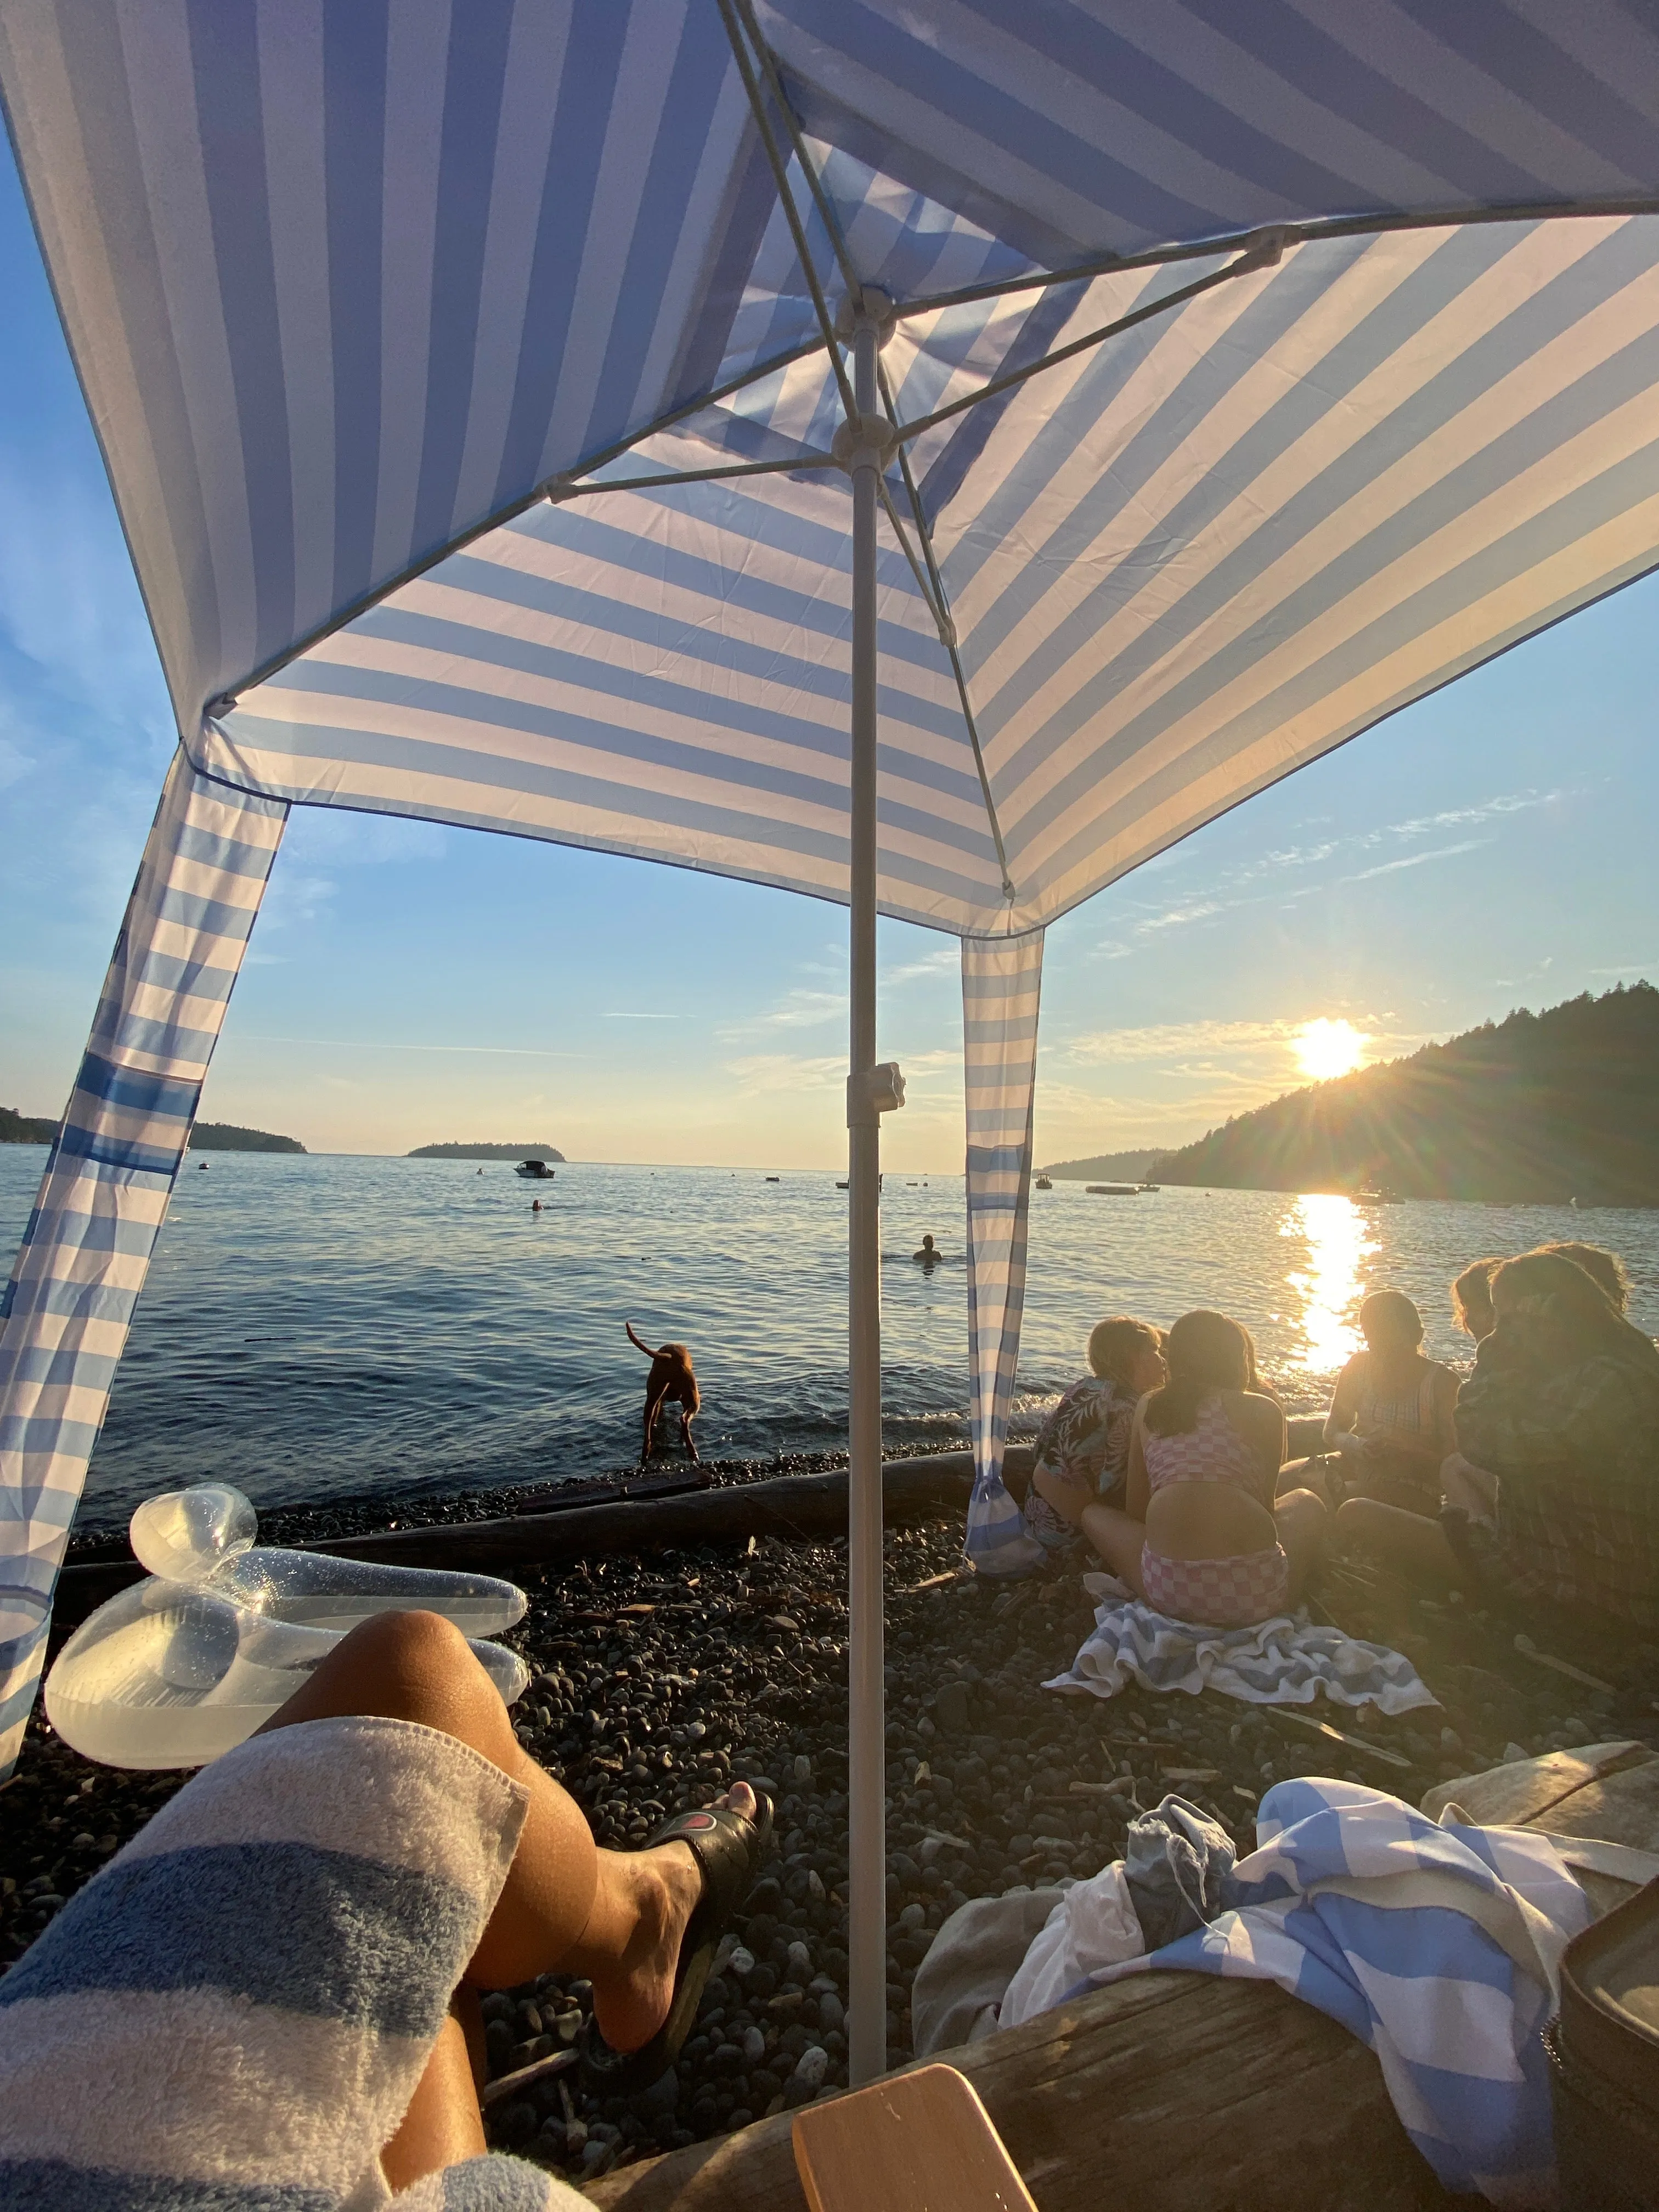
(1083, 1451)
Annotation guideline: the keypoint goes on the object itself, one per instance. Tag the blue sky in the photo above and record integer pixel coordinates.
(1488, 849)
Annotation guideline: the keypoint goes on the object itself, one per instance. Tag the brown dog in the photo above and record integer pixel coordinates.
(670, 1382)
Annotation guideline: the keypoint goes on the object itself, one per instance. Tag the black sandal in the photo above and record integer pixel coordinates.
(729, 1848)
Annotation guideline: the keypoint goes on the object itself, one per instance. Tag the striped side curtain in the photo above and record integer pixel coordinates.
(104, 1195)
(1001, 982)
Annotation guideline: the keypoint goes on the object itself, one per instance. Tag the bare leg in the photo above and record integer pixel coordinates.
(1321, 1474)
(615, 1918)
(1119, 1541)
(443, 2124)
(1068, 1498)
(1300, 1519)
(1410, 1543)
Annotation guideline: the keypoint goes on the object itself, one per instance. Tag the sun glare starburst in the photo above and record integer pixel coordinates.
(1324, 1049)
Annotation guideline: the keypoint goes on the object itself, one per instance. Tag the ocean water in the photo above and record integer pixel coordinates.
(339, 1326)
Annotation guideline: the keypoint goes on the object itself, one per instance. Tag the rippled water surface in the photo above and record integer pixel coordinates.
(335, 1326)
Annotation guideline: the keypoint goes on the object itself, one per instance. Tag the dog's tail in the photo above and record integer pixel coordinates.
(649, 1351)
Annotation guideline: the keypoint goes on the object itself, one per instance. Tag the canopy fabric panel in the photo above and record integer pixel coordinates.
(343, 282)
(1179, 565)
(1001, 989)
(1069, 125)
(64, 1317)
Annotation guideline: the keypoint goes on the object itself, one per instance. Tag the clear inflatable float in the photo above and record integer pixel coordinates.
(187, 1664)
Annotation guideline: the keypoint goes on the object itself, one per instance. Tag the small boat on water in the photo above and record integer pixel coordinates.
(534, 1170)
(1151, 1187)
(1113, 1189)
(1045, 1182)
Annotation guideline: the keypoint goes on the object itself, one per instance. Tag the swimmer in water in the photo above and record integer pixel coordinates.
(535, 1205)
(930, 1256)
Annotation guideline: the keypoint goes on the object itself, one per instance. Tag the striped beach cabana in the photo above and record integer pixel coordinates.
(927, 454)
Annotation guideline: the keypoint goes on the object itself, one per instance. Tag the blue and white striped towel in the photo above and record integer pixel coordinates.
(1286, 1660)
(1438, 1947)
(234, 2012)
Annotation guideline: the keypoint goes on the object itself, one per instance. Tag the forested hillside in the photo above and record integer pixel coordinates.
(1538, 1107)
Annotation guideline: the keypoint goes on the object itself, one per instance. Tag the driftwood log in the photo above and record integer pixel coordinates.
(800, 1506)
(1176, 2092)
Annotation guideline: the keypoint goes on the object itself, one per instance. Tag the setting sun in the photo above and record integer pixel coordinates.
(1324, 1049)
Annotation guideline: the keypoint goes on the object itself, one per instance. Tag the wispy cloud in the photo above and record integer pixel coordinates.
(771, 1072)
(386, 1044)
(946, 961)
(1165, 1040)
(800, 1009)
(1417, 860)
(1255, 882)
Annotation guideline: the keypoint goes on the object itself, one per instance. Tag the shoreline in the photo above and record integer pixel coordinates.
(658, 1676)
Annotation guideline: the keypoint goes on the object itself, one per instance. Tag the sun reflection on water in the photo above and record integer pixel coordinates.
(1328, 1283)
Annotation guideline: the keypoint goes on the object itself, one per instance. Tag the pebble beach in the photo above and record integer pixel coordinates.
(659, 1678)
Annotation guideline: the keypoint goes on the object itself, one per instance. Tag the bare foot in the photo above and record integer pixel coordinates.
(647, 1898)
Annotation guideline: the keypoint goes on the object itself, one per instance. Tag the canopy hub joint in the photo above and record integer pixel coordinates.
(865, 441)
(869, 304)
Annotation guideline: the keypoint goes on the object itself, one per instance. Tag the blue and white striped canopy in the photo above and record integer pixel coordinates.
(359, 292)
(1255, 367)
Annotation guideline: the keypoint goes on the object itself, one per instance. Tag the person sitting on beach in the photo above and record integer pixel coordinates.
(1471, 1298)
(930, 1256)
(1083, 1448)
(1605, 1269)
(1391, 1420)
(1472, 1291)
(271, 1996)
(1199, 1537)
(1553, 1493)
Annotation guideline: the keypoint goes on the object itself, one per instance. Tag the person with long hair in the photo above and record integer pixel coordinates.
(1200, 1537)
(1471, 1298)
(1390, 1422)
(1554, 1494)
(1083, 1449)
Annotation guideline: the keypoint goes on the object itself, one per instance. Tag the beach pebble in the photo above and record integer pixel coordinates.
(741, 1963)
(812, 2066)
(800, 1962)
(754, 2045)
(913, 1916)
(802, 1770)
(951, 1707)
(832, 2014)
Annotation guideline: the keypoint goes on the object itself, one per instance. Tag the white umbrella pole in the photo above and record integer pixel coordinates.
(866, 1754)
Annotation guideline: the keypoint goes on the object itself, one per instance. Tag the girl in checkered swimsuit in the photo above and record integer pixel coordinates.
(1200, 1537)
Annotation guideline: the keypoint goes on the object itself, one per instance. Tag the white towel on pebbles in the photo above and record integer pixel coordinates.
(1286, 1660)
(236, 2010)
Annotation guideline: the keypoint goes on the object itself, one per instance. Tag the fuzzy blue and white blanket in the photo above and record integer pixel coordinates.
(234, 2012)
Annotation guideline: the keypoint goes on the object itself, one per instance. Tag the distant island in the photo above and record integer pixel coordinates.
(206, 1137)
(1107, 1167)
(487, 1152)
(17, 1128)
(1536, 1109)
(226, 1137)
